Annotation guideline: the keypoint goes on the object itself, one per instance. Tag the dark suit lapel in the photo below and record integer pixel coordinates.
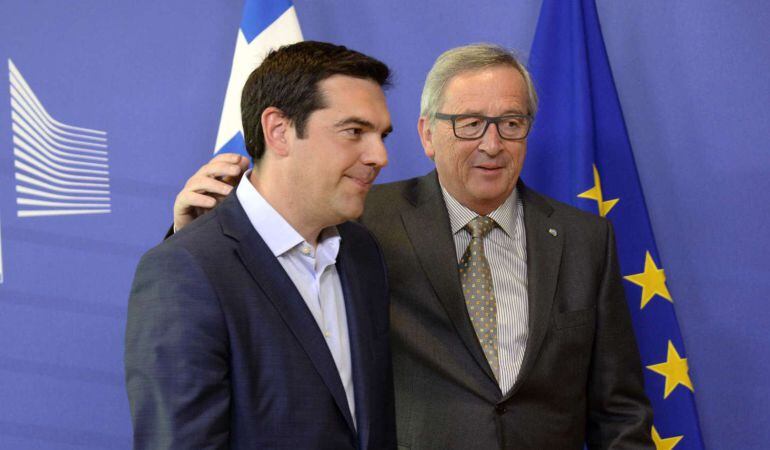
(280, 290)
(544, 252)
(429, 230)
(360, 329)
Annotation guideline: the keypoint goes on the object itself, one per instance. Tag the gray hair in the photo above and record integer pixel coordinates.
(468, 58)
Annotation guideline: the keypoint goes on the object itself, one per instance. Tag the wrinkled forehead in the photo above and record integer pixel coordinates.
(500, 87)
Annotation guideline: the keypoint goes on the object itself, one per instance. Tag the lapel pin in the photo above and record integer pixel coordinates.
(553, 232)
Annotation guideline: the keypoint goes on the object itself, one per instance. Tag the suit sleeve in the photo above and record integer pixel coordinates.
(176, 356)
(619, 415)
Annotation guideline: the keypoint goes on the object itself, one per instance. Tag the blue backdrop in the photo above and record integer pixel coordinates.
(693, 85)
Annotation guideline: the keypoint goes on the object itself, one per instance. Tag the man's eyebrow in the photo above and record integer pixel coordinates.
(362, 122)
(354, 121)
(508, 112)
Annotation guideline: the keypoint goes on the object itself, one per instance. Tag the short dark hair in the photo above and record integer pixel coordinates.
(288, 80)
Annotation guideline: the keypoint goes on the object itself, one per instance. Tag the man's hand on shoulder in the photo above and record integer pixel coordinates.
(207, 187)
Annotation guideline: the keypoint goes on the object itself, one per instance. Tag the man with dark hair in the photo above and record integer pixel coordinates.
(288, 80)
(510, 329)
(265, 325)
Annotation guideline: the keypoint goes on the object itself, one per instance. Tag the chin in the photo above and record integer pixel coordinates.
(488, 193)
(352, 213)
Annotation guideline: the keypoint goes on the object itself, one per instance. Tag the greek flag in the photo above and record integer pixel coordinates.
(579, 153)
(265, 25)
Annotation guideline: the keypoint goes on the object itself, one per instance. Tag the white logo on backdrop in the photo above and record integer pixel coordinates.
(60, 169)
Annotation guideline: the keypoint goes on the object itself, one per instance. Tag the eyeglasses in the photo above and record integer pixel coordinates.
(512, 127)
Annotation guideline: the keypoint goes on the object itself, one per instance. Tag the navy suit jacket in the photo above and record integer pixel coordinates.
(222, 352)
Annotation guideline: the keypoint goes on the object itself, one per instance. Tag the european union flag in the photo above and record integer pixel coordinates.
(579, 153)
(265, 25)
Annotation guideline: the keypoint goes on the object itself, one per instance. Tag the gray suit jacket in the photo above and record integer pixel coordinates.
(581, 379)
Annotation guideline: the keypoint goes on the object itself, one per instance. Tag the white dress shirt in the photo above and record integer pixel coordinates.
(505, 248)
(312, 271)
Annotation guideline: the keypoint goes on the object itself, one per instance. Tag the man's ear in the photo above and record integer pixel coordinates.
(276, 127)
(426, 136)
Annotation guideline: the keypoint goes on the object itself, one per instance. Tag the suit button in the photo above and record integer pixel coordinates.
(500, 409)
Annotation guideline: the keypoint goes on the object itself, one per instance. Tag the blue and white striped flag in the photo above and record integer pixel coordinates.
(265, 25)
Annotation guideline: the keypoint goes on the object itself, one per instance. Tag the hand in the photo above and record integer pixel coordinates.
(210, 184)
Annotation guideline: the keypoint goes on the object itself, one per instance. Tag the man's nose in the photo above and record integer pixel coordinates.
(491, 143)
(376, 155)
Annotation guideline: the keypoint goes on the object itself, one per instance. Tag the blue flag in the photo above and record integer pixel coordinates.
(265, 25)
(579, 153)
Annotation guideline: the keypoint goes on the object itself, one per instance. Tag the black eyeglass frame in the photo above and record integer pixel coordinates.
(487, 120)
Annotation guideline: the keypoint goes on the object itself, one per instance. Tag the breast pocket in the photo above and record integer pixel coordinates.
(573, 319)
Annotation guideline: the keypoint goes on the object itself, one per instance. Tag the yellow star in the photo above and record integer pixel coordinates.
(674, 369)
(664, 443)
(652, 281)
(595, 193)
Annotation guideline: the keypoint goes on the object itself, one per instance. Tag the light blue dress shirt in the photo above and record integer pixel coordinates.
(312, 271)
